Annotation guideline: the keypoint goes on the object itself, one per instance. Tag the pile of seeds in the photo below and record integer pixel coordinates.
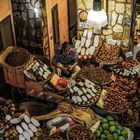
(17, 58)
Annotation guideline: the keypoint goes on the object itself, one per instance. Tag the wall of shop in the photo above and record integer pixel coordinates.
(6, 10)
(63, 22)
(119, 16)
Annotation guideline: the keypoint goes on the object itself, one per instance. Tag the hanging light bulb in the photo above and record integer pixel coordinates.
(97, 16)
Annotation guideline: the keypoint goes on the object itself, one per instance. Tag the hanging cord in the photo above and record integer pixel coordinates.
(84, 5)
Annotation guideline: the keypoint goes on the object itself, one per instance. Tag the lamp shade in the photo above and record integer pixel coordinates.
(97, 18)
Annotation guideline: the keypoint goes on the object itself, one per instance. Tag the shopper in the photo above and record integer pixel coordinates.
(65, 61)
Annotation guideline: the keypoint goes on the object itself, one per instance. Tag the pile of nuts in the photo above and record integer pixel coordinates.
(79, 132)
(98, 75)
(123, 86)
(17, 58)
(129, 68)
(115, 103)
(108, 54)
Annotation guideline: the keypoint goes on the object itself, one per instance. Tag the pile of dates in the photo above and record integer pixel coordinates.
(115, 103)
(123, 86)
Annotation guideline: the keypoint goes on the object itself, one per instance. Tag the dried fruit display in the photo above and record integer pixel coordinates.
(108, 54)
(96, 75)
(83, 92)
(79, 132)
(123, 86)
(115, 103)
(128, 68)
(17, 57)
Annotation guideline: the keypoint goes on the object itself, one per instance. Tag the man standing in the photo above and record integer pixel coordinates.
(65, 60)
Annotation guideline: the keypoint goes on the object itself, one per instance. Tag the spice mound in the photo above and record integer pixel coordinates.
(96, 75)
(17, 58)
(108, 54)
(78, 132)
(115, 103)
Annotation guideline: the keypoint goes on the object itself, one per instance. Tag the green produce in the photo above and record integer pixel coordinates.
(104, 120)
(106, 132)
(98, 133)
(115, 136)
(109, 137)
(102, 137)
(112, 123)
(110, 118)
(120, 127)
(109, 129)
(124, 133)
(112, 129)
(101, 129)
(105, 126)
(118, 131)
(121, 138)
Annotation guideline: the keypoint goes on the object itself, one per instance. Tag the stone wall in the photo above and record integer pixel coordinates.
(119, 15)
(29, 26)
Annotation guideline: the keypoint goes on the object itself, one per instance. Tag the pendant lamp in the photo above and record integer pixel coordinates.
(97, 16)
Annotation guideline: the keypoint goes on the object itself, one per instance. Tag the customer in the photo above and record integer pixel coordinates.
(65, 60)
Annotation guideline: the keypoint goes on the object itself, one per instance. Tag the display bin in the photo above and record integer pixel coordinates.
(13, 75)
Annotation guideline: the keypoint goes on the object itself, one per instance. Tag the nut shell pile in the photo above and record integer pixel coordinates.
(83, 92)
(123, 86)
(115, 103)
(79, 132)
(108, 54)
(96, 75)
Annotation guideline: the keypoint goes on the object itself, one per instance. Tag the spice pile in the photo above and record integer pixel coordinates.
(83, 92)
(109, 129)
(96, 75)
(108, 54)
(17, 58)
(129, 68)
(123, 86)
(79, 132)
(115, 103)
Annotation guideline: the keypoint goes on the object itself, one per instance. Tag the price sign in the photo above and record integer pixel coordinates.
(112, 42)
(129, 54)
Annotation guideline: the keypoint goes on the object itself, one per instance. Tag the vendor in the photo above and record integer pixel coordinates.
(65, 60)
